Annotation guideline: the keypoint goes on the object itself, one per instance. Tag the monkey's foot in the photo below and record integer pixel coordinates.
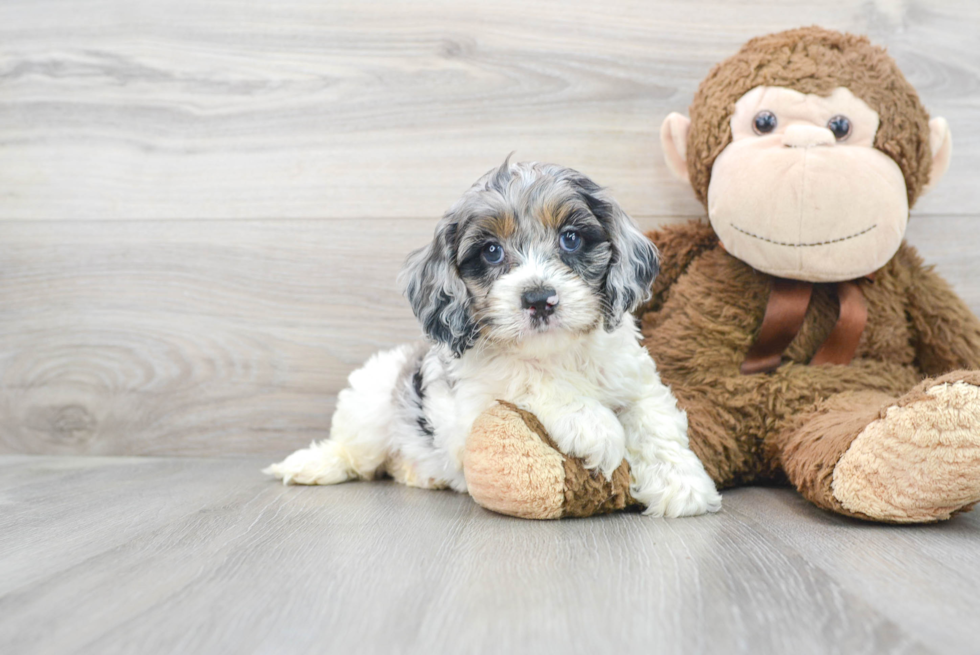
(512, 467)
(919, 462)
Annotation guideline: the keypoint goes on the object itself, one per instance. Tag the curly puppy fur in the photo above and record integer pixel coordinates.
(525, 293)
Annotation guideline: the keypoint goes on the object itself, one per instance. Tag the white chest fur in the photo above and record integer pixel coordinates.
(552, 372)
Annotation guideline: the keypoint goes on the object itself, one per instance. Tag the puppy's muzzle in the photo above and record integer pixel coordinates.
(540, 301)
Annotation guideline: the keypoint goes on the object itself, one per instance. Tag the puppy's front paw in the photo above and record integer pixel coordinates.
(596, 436)
(672, 491)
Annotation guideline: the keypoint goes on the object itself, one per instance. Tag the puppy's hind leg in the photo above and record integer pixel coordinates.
(360, 431)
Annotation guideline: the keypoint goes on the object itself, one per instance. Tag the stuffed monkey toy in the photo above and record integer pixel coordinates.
(805, 339)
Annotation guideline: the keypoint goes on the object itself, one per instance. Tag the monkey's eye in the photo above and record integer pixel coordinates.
(840, 126)
(764, 122)
(493, 253)
(570, 241)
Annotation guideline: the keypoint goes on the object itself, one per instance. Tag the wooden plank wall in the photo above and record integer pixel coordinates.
(203, 204)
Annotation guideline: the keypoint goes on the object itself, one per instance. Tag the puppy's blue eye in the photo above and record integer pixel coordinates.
(493, 253)
(570, 241)
(764, 122)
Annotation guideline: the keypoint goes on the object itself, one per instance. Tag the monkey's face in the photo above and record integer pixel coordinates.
(801, 192)
(802, 177)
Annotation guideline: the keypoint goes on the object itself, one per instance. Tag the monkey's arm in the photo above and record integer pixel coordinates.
(679, 245)
(946, 334)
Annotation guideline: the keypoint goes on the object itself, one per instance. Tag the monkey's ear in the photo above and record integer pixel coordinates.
(941, 145)
(673, 139)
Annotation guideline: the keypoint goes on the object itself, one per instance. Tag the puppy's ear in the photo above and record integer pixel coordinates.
(436, 292)
(634, 262)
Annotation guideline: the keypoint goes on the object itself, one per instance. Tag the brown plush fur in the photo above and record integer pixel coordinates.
(918, 461)
(814, 442)
(812, 60)
(703, 317)
(510, 470)
(513, 467)
(799, 421)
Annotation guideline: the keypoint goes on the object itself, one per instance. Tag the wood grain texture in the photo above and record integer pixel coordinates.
(223, 338)
(892, 562)
(206, 556)
(194, 337)
(203, 205)
(302, 109)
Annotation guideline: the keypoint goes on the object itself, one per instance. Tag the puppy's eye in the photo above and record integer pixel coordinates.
(493, 253)
(764, 122)
(570, 241)
(840, 126)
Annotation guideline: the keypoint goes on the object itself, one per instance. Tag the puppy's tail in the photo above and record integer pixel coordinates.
(327, 462)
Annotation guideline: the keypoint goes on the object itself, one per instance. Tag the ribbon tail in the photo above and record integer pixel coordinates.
(785, 311)
(841, 345)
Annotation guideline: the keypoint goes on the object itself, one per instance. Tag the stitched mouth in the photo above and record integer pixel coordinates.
(804, 245)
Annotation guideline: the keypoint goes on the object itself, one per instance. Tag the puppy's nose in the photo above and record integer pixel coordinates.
(540, 301)
(807, 136)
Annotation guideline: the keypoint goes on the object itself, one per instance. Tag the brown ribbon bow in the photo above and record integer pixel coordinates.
(785, 311)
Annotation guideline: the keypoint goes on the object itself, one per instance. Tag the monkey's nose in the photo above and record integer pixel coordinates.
(540, 301)
(807, 136)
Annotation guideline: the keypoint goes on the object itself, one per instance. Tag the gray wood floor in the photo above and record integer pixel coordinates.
(155, 555)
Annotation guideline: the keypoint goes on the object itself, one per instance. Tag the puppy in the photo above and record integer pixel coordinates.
(525, 294)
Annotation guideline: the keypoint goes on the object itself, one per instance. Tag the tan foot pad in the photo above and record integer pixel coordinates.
(512, 467)
(919, 462)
